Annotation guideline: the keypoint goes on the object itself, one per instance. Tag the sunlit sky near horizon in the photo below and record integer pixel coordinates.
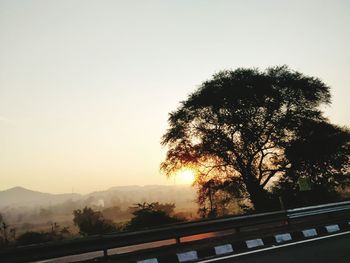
(86, 86)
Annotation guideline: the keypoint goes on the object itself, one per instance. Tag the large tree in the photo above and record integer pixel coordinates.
(247, 128)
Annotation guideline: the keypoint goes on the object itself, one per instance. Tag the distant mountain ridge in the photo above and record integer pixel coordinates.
(20, 196)
(182, 195)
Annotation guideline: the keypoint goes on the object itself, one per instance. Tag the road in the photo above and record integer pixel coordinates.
(331, 250)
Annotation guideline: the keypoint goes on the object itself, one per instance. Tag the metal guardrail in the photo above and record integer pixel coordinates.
(318, 209)
(175, 231)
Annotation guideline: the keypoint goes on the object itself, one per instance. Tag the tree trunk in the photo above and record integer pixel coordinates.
(257, 195)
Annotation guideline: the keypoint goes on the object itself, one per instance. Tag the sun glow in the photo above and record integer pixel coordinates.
(185, 176)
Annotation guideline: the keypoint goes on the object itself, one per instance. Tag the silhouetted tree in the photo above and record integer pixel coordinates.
(4, 227)
(92, 222)
(243, 127)
(320, 154)
(218, 198)
(2, 239)
(147, 215)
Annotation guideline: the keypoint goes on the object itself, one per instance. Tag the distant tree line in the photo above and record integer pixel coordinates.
(145, 215)
(94, 222)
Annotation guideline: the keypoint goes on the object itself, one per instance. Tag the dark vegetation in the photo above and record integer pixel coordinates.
(145, 215)
(115, 205)
(253, 135)
(92, 222)
(152, 215)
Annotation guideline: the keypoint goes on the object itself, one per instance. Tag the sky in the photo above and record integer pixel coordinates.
(86, 86)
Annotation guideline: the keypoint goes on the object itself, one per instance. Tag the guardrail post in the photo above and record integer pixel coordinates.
(178, 241)
(105, 253)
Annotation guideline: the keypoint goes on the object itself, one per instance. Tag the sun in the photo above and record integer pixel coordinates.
(185, 176)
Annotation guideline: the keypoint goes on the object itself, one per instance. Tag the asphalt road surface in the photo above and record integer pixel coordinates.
(331, 250)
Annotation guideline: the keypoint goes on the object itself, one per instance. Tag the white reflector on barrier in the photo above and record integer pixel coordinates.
(151, 260)
(310, 232)
(254, 243)
(283, 237)
(187, 256)
(332, 228)
(224, 249)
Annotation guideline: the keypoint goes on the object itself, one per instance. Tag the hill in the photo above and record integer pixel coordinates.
(182, 195)
(19, 196)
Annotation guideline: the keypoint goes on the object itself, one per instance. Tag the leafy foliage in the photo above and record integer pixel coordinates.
(246, 128)
(219, 197)
(321, 152)
(92, 222)
(148, 215)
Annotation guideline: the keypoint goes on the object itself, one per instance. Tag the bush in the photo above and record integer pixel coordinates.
(151, 215)
(92, 222)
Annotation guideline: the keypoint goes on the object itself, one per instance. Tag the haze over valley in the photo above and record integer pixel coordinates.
(27, 209)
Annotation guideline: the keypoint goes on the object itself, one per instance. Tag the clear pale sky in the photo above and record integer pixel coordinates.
(86, 86)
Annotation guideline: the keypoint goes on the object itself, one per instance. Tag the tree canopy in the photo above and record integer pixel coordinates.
(92, 222)
(249, 129)
(148, 215)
